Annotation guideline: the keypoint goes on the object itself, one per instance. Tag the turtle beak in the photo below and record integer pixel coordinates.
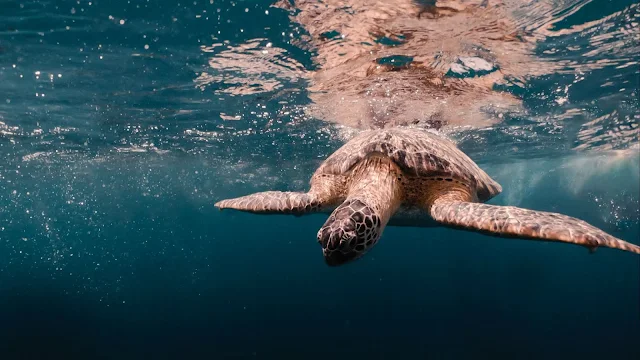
(337, 258)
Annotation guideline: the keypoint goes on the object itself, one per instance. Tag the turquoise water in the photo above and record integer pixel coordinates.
(114, 148)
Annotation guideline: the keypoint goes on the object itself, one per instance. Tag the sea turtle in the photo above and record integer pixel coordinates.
(411, 177)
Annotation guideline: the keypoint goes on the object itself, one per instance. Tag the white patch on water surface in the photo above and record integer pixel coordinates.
(248, 68)
(202, 135)
(142, 148)
(8, 130)
(131, 149)
(458, 68)
(472, 63)
(226, 117)
(63, 130)
(609, 131)
(345, 133)
(35, 155)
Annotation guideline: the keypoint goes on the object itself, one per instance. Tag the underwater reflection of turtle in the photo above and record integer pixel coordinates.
(387, 63)
(411, 177)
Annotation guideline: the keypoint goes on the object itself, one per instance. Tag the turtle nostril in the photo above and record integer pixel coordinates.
(353, 241)
(347, 240)
(323, 236)
(332, 241)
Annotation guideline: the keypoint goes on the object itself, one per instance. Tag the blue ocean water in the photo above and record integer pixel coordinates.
(121, 124)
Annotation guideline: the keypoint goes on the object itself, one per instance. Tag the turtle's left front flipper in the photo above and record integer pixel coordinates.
(509, 221)
(274, 202)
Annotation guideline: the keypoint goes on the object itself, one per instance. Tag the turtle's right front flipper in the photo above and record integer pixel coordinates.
(510, 221)
(274, 202)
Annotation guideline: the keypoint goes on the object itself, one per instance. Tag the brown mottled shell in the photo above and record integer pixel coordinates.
(418, 153)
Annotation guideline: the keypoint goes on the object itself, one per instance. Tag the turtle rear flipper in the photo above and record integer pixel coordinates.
(274, 202)
(509, 221)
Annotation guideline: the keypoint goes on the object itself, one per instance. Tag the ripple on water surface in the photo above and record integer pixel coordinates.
(121, 123)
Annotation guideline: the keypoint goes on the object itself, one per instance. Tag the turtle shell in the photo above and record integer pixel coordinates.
(418, 153)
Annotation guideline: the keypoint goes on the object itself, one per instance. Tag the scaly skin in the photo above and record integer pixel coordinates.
(380, 172)
(374, 194)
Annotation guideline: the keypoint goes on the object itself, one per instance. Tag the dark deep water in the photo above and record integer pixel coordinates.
(112, 155)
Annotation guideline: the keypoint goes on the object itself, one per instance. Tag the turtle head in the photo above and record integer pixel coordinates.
(352, 229)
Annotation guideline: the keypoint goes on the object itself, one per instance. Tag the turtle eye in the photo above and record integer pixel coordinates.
(349, 226)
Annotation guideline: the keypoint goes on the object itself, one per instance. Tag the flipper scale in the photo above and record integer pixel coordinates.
(273, 202)
(510, 221)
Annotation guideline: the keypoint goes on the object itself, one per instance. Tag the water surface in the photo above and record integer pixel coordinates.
(121, 123)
